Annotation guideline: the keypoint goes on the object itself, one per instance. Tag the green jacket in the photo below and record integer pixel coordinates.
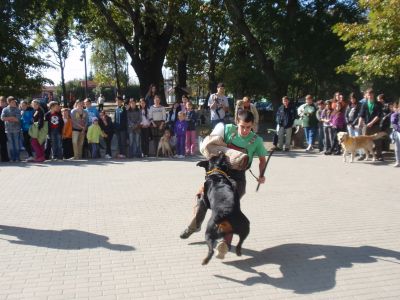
(93, 134)
(39, 134)
(310, 116)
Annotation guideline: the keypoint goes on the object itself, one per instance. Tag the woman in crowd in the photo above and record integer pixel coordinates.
(351, 115)
(145, 133)
(107, 127)
(327, 125)
(157, 117)
(26, 122)
(338, 122)
(152, 92)
(134, 118)
(38, 132)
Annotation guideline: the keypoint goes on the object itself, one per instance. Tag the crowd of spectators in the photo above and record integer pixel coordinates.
(323, 120)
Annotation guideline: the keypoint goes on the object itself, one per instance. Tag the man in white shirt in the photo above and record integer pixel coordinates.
(219, 105)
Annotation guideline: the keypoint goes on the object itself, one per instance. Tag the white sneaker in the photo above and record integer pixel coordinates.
(107, 156)
(396, 165)
(222, 249)
(30, 158)
(181, 156)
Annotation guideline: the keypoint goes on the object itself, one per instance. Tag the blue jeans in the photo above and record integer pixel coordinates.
(310, 134)
(95, 150)
(56, 144)
(321, 137)
(14, 145)
(134, 144)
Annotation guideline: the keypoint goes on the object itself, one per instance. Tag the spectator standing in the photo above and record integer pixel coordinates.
(191, 139)
(385, 121)
(3, 135)
(79, 125)
(245, 104)
(151, 93)
(145, 123)
(100, 102)
(183, 105)
(351, 115)
(338, 122)
(93, 136)
(395, 121)
(56, 125)
(91, 111)
(219, 105)
(285, 117)
(106, 125)
(120, 126)
(327, 125)
(67, 134)
(38, 131)
(26, 122)
(134, 119)
(321, 107)
(11, 116)
(157, 117)
(370, 116)
(180, 131)
(173, 116)
(310, 122)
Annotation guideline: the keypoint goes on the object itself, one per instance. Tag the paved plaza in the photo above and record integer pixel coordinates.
(320, 229)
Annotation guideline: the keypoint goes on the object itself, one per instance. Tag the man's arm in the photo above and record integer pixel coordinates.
(261, 168)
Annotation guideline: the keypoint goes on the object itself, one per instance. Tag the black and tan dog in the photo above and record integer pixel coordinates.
(221, 197)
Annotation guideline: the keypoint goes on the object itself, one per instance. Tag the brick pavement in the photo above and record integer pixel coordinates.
(320, 229)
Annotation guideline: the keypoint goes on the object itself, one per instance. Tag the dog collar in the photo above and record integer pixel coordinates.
(218, 171)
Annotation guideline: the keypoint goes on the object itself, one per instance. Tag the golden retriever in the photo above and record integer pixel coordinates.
(352, 144)
(164, 146)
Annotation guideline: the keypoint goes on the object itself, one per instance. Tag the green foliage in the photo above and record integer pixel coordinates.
(375, 43)
(109, 63)
(20, 68)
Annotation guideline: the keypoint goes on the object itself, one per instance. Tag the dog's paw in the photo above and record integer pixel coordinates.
(205, 261)
(238, 251)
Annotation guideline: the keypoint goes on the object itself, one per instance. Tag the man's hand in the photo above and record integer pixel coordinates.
(261, 179)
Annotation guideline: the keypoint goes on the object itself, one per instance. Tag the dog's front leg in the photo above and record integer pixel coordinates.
(352, 156)
(344, 155)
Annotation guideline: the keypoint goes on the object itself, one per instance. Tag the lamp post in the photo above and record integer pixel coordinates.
(83, 57)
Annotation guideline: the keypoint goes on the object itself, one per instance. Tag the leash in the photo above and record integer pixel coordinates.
(265, 167)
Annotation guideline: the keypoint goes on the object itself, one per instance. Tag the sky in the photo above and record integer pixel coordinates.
(75, 68)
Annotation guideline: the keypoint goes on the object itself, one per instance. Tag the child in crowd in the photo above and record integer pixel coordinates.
(191, 118)
(56, 125)
(326, 123)
(26, 122)
(321, 107)
(180, 131)
(338, 122)
(93, 136)
(38, 131)
(11, 116)
(67, 134)
(134, 118)
(395, 121)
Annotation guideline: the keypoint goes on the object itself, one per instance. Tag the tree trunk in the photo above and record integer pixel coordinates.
(182, 77)
(63, 87)
(115, 61)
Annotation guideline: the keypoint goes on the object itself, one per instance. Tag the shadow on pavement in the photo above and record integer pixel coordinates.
(305, 268)
(68, 239)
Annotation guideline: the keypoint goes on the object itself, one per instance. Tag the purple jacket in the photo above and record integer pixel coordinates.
(395, 121)
(338, 119)
(180, 127)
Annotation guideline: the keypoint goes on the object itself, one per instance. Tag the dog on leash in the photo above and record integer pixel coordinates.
(352, 143)
(221, 197)
(164, 145)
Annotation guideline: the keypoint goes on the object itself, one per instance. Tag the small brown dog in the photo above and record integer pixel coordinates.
(164, 145)
(352, 144)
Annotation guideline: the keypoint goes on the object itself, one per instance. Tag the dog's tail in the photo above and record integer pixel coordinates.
(379, 135)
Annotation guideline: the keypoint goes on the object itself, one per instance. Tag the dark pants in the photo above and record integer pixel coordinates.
(27, 143)
(68, 151)
(3, 147)
(336, 146)
(145, 139)
(121, 139)
(108, 141)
